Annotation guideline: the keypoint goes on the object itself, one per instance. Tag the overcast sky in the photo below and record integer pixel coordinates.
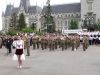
(3, 4)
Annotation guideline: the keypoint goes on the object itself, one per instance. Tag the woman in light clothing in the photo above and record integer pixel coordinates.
(19, 45)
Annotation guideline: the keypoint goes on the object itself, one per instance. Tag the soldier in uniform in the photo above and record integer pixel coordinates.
(55, 42)
(51, 43)
(28, 45)
(66, 42)
(42, 42)
(73, 41)
(37, 41)
(34, 42)
(0, 42)
(85, 43)
(63, 42)
(77, 41)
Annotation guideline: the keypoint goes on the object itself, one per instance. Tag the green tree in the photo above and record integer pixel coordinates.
(13, 21)
(49, 23)
(97, 26)
(21, 22)
(73, 24)
(12, 32)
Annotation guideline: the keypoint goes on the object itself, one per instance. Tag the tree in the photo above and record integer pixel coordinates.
(13, 21)
(21, 22)
(12, 32)
(49, 24)
(73, 24)
(97, 26)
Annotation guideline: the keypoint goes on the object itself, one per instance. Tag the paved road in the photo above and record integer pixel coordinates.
(54, 63)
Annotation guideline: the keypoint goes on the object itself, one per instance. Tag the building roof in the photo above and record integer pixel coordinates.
(64, 8)
(31, 10)
(34, 9)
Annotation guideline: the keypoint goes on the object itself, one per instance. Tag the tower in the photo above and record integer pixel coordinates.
(25, 4)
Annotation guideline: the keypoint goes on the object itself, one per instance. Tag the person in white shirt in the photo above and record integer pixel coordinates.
(19, 45)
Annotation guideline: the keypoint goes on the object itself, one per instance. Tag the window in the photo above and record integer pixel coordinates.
(61, 23)
(66, 16)
(65, 23)
(58, 16)
(58, 23)
(89, 6)
(72, 15)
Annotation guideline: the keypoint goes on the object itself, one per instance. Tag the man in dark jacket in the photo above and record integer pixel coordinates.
(9, 42)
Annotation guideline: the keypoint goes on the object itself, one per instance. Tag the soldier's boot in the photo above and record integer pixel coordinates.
(84, 48)
(37, 45)
(66, 46)
(50, 47)
(72, 48)
(33, 46)
(53, 47)
(62, 47)
(42, 46)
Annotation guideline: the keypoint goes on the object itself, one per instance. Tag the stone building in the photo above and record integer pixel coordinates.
(90, 12)
(63, 14)
(85, 10)
(32, 14)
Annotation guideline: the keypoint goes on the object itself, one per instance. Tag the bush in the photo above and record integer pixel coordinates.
(73, 24)
(27, 30)
(12, 32)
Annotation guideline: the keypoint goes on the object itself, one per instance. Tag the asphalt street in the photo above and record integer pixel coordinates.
(53, 62)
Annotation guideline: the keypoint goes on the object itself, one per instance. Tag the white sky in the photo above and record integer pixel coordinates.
(3, 4)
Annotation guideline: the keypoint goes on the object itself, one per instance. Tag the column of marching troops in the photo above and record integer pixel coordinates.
(48, 41)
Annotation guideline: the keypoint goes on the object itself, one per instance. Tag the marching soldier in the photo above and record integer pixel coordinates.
(85, 43)
(34, 42)
(63, 42)
(28, 45)
(66, 42)
(37, 41)
(0, 42)
(42, 42)
(73, 41)
(77, 42)
(55, 42)
(51, 43)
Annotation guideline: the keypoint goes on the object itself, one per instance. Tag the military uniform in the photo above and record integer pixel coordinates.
(0, 42)
(51, 43)
(28, 46)
(66, 42)
(73, 41)
(85, 43)
(34, 42)
(63, 43)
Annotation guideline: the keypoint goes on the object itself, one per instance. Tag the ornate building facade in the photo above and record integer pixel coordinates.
(85, 10)
(32, 14)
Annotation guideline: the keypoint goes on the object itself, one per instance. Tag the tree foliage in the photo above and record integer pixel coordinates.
(12, 32)
(97, 26)
(21, 22)
(13, 21)
(73, 24)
